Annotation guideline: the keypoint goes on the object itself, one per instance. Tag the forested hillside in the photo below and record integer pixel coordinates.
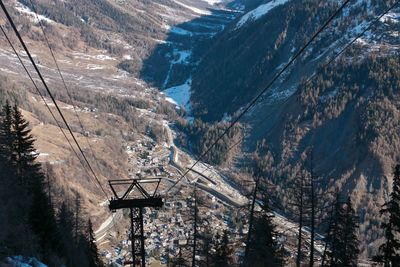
(345, 112)
(349, 116)
(251, 54)
(199, 136)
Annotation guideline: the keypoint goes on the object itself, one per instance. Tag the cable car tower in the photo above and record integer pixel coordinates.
(135, 198)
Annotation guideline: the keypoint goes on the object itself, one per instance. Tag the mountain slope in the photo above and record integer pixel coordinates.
(347, 115)
(244, 59)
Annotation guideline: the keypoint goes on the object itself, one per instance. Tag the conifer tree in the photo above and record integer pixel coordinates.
(6, 135)
(263, 247)
(43, 222)
(343, 237)
(5, 146)
(23, 153)
(29, 225)
(298, 206)
(32, 226)
(77, 218)
(13, 213)
(335, 232)
(331, 223)
(350, 248)
(65, 219)
(93, 253)
(6, 140)
(391, 248)
(76, 252)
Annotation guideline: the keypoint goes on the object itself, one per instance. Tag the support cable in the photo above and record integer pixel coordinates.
(63, 81)
(50, 94)
(259, 95)
(43, 99)
(332, 59)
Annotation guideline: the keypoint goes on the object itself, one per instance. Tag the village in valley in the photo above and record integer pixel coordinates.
(169, 230)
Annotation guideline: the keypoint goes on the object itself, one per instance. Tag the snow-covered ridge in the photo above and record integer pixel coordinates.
(258, 12)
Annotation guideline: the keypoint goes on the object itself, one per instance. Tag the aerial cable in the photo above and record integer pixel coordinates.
(254, 101)
(327, 64)
(330, 61)
(50, 94)
(63, 80)
(42, 97)
(44, 100)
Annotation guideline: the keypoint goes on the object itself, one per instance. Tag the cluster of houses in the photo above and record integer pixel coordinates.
(147, 158)
(170, 228)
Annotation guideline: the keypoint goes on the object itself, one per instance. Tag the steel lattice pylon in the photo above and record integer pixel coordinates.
(137, 237)
(136, 205)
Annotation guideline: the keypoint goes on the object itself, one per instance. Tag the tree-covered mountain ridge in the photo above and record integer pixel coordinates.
(242, 60)
(347, 113)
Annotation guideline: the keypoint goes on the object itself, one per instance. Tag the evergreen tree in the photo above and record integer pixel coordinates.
(76, 249)
(350, 249)
(15, 234)
(77, 218)
(41, 215)
(390, 249)
(43, 222)
(6, 136)
(335, 232)
(221, 257)
(263, 247)
(343, 237)
(93, 253)
(23, 153)
(331, 223)
(298, 207)
(6, 140)
(31, 227)
(65, 221)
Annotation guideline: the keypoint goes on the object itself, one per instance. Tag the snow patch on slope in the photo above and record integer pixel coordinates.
(180, 31)
(180, 95)
(194, 9)
(181, 57)
(25, 10)
(260, 11)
